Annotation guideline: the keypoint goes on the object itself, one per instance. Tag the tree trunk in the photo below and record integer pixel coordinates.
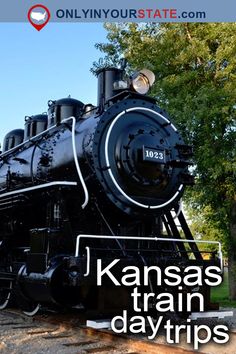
(232, 252)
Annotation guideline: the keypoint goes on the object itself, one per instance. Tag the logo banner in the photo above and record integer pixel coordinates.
(121, 11)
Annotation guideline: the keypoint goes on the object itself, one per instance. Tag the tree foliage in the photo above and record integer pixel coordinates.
(195, 68)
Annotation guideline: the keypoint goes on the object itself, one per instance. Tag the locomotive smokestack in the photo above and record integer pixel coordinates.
(107, 79)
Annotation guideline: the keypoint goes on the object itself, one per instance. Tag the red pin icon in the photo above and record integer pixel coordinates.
(38, 16)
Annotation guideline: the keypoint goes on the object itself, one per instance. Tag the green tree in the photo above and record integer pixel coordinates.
(205, 227)
(195, 68)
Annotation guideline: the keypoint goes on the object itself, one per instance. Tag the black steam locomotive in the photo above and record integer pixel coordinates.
(83, 183)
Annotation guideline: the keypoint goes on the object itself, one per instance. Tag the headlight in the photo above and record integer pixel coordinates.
(141, 84)
(142, 81)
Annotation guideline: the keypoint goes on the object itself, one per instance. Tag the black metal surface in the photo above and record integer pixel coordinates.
(106, 84)
(62, 109)
(12, 139)
(35, 125)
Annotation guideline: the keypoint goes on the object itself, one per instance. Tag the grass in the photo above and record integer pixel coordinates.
(220, 293)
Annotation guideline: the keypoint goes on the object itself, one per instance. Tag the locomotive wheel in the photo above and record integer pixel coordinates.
(5, 289)
(31, 309)
(28, 307)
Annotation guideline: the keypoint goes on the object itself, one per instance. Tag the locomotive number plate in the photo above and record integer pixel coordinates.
(154, 155)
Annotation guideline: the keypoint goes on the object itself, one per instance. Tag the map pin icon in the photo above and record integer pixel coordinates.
(38, 16)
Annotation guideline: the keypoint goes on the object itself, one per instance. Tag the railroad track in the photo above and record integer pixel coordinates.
(58, 333)
(65, 334)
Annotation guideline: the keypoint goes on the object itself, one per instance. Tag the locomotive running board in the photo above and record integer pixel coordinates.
(139, 238)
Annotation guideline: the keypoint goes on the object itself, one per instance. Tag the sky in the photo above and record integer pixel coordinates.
(39, 66)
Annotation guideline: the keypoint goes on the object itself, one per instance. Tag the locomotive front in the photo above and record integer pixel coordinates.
(138, 155)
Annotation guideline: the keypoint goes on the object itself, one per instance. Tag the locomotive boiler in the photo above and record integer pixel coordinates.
(87, 182)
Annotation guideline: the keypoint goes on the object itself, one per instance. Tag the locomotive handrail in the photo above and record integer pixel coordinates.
(77, 249)
(39, 186)
(27, 141)
(74, 153)
(86, 194)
